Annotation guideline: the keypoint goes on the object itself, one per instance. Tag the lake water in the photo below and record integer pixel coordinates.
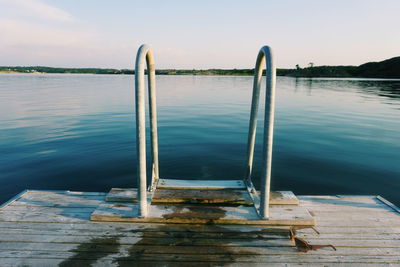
(77, 132)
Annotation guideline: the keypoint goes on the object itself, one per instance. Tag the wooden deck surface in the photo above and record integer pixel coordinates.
(42, 228)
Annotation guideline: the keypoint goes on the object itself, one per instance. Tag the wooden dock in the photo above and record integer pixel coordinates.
(53, 228)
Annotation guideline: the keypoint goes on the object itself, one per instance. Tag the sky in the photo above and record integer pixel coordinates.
(197, 34)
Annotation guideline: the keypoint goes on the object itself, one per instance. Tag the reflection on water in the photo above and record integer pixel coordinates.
(332, 136)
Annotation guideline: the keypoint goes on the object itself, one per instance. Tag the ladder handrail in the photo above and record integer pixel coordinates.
(265, 54)
(145, 54)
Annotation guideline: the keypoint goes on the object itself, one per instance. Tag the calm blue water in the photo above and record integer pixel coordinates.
(76, 132)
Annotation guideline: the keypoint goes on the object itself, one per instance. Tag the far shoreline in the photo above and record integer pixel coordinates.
(387, 69)
(203, 75)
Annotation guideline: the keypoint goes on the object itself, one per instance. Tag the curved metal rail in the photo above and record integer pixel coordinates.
(265, 54)
(145, 56)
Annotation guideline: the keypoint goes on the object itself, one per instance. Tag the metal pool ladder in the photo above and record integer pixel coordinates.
(261, 202)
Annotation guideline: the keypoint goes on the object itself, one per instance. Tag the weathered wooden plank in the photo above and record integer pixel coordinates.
(352, 236)
(130, 240)
(200, 250)
(188, 240)
(387, 215)
(99, 229)
(27, 193)
(333, 213)
(48, 210)
(345, 208)
(61, 198)
(95, 226)
(336, 196)
(351, 205)
(289, 215)
(15, 216)
(55, 200)
(359, 223)
(361, 198)
(161, 233)
(137, 257)
(202, 196)
(111, 262)
(367, 243)
(89, 195)
(99, 263)
(220, 235)
(354, 205)
(200, 184)
(159, 230)
(66, 192)
(356, 230)
(367, 201)
(146, 227)
(53, 205)
(383, 219)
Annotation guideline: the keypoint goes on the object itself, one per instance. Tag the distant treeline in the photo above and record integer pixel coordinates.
(40, 69)
(389, 68)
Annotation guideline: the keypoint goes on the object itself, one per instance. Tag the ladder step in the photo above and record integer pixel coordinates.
(200, 184)
(229, 197)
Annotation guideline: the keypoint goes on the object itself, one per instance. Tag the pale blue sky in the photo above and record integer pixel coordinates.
(197, 34)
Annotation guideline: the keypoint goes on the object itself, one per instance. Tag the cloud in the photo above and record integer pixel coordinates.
(31, 43)
(35, 33)
(40, 10)
(20, 33)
